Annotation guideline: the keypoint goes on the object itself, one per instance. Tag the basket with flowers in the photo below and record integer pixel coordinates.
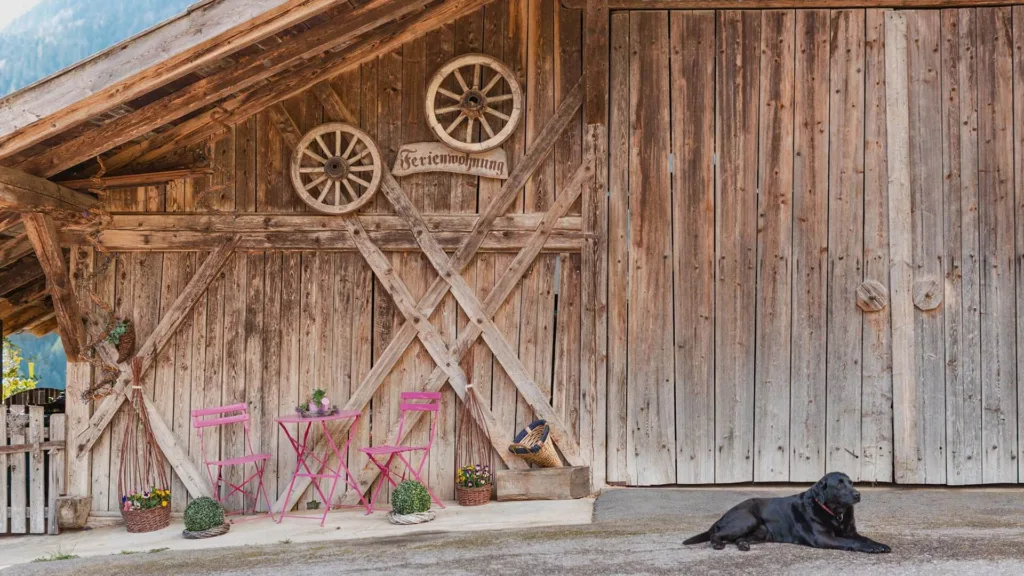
(147, 510)
(473, 485)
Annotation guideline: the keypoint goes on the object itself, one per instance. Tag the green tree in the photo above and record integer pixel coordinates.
(14, 382)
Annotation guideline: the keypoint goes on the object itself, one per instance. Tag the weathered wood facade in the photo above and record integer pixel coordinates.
(756, 245)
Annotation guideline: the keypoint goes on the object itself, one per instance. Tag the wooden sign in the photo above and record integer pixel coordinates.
(436, 157)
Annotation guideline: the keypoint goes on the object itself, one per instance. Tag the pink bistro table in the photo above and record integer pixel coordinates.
(304, 454)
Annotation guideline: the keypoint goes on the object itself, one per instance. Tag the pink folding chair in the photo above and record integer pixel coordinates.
(432, 405)
(225, 416)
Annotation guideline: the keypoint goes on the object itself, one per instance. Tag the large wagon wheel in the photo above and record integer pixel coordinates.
(452, 115)
(336, 168)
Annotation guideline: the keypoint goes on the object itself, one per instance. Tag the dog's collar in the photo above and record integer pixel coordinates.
(838, 517)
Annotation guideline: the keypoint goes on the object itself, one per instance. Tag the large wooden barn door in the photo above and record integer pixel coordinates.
(812, 259)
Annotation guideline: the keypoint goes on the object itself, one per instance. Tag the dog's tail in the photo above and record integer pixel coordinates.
(702, 537)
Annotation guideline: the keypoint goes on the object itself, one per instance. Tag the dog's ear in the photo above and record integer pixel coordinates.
(820, 490)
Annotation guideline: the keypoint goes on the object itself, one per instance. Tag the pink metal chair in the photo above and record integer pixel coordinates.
(231, 415)
(432, 405)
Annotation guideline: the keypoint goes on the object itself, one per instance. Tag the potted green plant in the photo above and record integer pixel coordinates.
(204, 518)
(410, 504)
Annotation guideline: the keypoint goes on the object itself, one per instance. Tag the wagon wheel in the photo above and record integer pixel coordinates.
(336, 168)
(481, 86)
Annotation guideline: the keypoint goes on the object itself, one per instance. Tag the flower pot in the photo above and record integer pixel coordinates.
(473, 496)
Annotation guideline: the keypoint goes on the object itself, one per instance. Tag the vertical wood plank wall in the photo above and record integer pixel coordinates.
(275, 325)
(750, 194)
(757, 142)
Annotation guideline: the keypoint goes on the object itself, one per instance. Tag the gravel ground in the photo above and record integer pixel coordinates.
(639, 531)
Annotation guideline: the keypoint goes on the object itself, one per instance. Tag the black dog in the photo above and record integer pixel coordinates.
(821, 517)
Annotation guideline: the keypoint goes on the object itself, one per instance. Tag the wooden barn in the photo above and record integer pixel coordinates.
(708, 241)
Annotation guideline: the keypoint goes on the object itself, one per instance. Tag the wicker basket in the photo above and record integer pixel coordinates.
(147, 520)
(417, 518)
(533, 446)
(473, 496)
(200, 534)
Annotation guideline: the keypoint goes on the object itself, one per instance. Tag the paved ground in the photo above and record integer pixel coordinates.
(638, 531)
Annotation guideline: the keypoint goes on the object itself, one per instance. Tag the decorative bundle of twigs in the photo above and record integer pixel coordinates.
(142, 484)
(473, 454)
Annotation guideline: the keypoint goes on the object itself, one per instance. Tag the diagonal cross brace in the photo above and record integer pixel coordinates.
(464, 294)
(161, 334)
(428, 334)
(499, 293)
(463, 256)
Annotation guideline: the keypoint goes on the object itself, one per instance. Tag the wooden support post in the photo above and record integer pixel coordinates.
(593, 288)
(43, 234)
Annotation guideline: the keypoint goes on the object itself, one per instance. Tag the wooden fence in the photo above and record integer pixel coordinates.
(31, 470)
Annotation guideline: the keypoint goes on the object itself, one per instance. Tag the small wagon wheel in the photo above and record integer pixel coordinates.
(480, 90)
(336, 168)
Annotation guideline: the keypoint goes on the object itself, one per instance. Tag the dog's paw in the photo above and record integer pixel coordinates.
(877, 548)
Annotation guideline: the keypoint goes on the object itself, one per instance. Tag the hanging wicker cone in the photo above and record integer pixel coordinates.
(474, 477)
(534, 446)
(142, 487)
(126, 346)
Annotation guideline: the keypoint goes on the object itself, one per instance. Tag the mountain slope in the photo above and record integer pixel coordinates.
(57, 33)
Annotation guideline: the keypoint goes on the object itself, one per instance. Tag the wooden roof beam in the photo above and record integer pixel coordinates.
(42, 233)
(376, 42)
(246, 72)
(765, 4)
(134, 180)
(142, 63)
(21, 192)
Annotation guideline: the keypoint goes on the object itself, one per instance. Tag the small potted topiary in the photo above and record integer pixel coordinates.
(204, 518)
(410, 504)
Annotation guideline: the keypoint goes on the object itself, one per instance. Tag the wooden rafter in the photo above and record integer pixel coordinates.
(134, 180)
(142, 63)
(14, 249)
(43, 235)
(182, 306)
(378, 41)
(21, 192)
(247, 72)
(769, 4)
(22, 273)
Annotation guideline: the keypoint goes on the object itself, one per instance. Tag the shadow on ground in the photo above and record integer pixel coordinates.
(639, 531)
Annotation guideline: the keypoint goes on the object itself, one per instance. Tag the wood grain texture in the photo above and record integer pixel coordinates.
(810, 245)
(876, 383)
(1018, 167)
(651, 396)
(618, 250)
(738, 74)
(997, 230)
(906, 448)
(693, 248)
(774, 249)
(962, 287)
(845, 242)
(924, 94)
(42, 233)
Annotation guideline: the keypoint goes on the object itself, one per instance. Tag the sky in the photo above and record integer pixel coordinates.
(11, 9)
